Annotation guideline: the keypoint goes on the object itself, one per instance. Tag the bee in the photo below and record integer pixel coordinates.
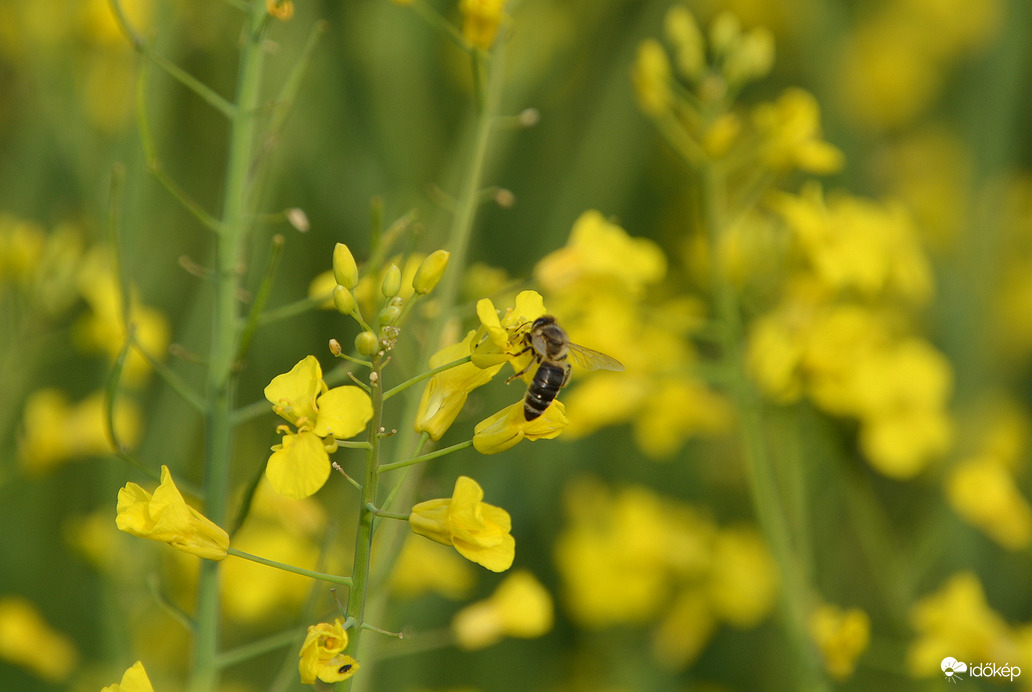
(548, 344)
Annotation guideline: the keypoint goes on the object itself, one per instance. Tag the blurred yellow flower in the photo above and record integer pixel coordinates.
(499, 338)
(165, 516)
(280, 9)
(477, 530)
(54, 430)
(743, 580)
(790, 132)
(957, 620)
(983, 491)
(481, 20)
(133, 680)
(28, 641)
(841, 636)
(520, 607)
(300, 464)
(652, 78)
(509, 426)
(446, 392)
(599, 253)
(321, 657)
(425, 567)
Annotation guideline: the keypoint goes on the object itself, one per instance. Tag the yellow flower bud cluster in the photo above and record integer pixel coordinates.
(389, 293)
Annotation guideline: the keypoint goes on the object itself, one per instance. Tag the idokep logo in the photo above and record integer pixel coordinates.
(952, 669)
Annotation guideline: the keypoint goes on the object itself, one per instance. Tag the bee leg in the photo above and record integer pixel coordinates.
(566, 375)
(510, 379)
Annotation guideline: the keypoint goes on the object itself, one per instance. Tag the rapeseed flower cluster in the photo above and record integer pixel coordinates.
(631, 557)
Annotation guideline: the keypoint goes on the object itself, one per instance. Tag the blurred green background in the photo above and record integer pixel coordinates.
(935, 114)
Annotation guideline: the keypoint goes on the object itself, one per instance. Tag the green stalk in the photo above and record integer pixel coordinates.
(229, 255)
(759, 468)
(364, 538)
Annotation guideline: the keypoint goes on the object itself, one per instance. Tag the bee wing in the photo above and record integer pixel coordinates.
(593, 360)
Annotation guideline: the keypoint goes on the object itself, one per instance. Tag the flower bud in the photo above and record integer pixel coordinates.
(345, 271)
(343, 300)
(391, 282)
(367, 344)
(389, 315)
(335, 348)
(430, 271)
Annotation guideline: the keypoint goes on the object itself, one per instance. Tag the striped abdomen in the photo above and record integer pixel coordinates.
(547, 381)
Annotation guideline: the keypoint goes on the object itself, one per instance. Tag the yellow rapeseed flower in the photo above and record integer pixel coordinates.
(841, 636)
(477, 530)
(509, 426)
(28, 641)
(321, 657)
(300, 464)
(984, 493)
(424, 567)
(165, 516)
(133, 680)
(446, 392)
(520, 607)
(481, 20)
(790, 128)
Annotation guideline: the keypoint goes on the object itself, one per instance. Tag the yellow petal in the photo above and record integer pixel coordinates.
(343, 412)
(299, 467)
(506, 428)
(133, 680)
(293, 394)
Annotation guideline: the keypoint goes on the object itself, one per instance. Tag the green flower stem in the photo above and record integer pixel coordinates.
(759, 469)
(419, 378)
(386, 515)
(321, 576)
(237, 217)
(425, 457)
(364, 538)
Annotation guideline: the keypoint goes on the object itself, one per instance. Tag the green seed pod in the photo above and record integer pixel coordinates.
(345, 271)
(430, 271)
(389, 315)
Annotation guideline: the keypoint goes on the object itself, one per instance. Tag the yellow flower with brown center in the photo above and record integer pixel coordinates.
(165, 516)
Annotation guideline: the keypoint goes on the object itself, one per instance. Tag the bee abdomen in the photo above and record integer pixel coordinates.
(543, 389)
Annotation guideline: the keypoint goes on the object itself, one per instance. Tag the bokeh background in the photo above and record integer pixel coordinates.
(929, 102)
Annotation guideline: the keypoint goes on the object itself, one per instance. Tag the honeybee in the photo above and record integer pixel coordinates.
(550, 347)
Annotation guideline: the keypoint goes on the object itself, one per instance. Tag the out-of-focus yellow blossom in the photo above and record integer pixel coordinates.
(958, 620)
(28, 641)
(300, 464)
(983, 492)
(841, 636)
(668, 563)
(477, 530)
(752, 57)
(598, 283)
(321, 288)
(481, 20)
(520, 607)
(509, 426)
(280, 9)
(848, 361)
(791, 134)
(277, 528)
(165, 516)
(1012, 301)
(424, 567)
(104, 329)
(56, 430)
(742, 583)
(446, 392)
(601, 253)
(21, 247)
(652, 78)
(890, 72)
(99, 25)
(689, 46)
(321, 657)
(855, 244)
(133, 680)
